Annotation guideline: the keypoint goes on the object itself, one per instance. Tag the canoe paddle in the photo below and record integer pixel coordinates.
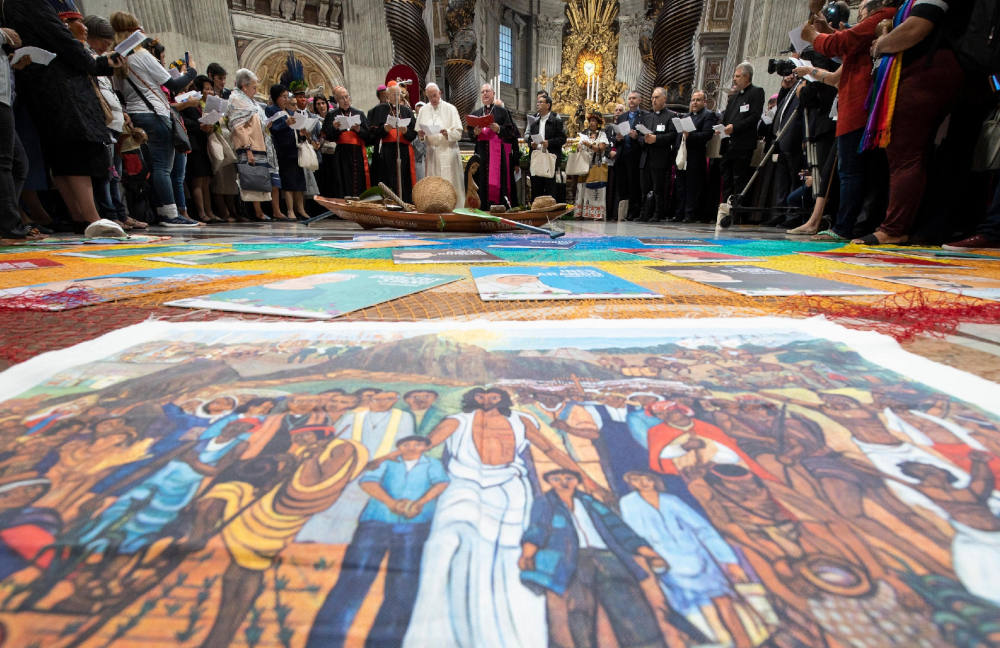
(478, 213)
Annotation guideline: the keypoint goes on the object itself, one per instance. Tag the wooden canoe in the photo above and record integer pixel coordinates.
(370, 217)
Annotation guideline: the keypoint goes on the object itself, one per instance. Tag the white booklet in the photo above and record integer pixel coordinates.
(37, 54)
(187, 96)
(537, 139)
(397, 122)
(721, 130)
(281, 114)
(133, 41)
(642, 130)
(623, 128)
(215, 104)
(684, 125)
(433, 129)
(346, 122)
(210, 118)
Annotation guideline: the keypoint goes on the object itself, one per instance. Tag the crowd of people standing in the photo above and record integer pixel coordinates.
(137, 140)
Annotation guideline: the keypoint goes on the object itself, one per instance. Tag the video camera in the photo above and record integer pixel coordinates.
(781, 67)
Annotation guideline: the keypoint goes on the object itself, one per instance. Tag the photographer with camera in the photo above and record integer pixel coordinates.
(853, 78)
(786, 131)
(743, 111)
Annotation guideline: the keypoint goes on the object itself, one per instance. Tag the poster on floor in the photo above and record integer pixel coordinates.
(687, 255)
(510, 283)
(959, 284)
(533, 243)
(319, 296)
(86, 291)
(755, 281)
(686, 242)
(235, 256)
(148, 249)
(880, 260)
(710, 482)
(445, 256)
(377, 244)
(28, 264)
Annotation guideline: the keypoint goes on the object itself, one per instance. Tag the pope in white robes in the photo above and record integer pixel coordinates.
(440, 127)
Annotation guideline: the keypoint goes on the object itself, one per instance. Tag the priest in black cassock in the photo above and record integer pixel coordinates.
(395, 140)
(496, 146)
(350, 159)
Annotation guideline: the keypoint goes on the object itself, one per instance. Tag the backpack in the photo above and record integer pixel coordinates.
(978, 46)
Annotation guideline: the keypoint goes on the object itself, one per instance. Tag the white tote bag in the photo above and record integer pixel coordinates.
(682, 156)
(714, 148)
(543, 164)
(307, 157)
(578, 163)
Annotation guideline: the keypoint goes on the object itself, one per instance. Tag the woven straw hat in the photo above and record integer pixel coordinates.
(546, 204)
(434, 195)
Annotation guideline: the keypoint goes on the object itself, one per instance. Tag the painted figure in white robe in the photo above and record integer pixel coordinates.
(440, 127)
(470, 594)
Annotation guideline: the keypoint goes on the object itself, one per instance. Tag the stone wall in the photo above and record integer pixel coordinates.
(201, 27)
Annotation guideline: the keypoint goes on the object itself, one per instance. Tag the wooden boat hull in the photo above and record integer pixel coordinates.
(369, 218)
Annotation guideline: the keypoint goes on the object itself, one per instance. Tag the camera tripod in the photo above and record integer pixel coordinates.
(734, 204)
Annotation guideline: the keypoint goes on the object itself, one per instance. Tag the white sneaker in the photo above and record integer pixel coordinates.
(104, 228)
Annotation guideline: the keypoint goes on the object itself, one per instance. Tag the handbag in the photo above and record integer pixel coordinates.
(182, 143)
(578, 163)
(543, 164)
(682, 156)
(986, 156)
(307, 157)
(714, 147)
(597, 175)
(108, 115)
(220, 152)
(254, 177)
(758, 157)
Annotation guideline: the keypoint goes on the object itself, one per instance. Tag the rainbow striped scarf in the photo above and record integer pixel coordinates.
(881, 102)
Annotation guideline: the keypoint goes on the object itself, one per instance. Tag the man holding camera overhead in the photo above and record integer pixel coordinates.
(743, 111)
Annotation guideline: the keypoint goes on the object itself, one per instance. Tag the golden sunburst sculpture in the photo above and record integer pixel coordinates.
(593, 39)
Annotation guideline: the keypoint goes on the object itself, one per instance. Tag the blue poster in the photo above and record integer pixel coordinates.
(321, 296)
(553, 282)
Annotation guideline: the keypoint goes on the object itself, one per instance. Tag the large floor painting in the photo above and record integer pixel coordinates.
(739, 482)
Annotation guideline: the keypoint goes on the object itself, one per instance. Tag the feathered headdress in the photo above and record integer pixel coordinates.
(294, 77)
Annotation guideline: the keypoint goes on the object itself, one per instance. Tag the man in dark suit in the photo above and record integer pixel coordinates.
(627, 157)
(612, 157)
(658, 151)
(697, 157)
(740, 118)
(551, 128)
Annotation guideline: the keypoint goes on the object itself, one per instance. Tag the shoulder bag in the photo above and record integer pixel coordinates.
(182, 144)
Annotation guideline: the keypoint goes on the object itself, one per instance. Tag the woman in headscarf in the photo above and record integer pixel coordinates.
(252, 141)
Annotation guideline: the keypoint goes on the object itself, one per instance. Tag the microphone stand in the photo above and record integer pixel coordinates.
(399, 162)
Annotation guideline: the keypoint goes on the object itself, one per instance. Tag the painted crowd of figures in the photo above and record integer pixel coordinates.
(708, 496)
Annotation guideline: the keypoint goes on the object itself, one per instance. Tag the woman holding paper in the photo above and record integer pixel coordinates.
(440, 126)
(591, 200)
(141, 82)
(61, 93)
(252, 144)
(284, 134)
(199, 166)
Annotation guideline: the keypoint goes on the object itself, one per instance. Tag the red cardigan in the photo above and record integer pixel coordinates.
(853, 46)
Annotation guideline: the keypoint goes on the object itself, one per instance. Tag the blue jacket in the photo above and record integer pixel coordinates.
(551, 530)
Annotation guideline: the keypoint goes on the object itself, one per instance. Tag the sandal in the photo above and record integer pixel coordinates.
(132, 223)
(871, 239)
(830, 235)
